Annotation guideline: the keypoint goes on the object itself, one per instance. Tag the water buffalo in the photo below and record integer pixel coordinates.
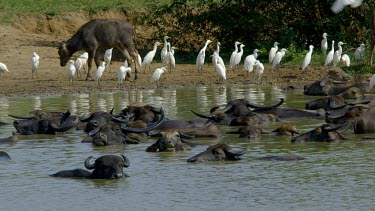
(99, 119)
(324, 133)
(325, 103)
(105, 167)
(209, 130)
(329, 87)
(115, 134)
(11, 139)
(218, 152)
(146, 113)
(4, 156)
(253, 132)
(45, 125)
(101, 33)
(237, 113)
(169, 140)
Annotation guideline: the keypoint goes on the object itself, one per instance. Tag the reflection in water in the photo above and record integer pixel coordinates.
(37, 103)
(4, 107)
(202, 99)
(220, 96)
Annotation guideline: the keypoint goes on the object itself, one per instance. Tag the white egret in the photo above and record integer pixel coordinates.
(250, 61)
(272, 52)
(216, 52)
(345, 60)
(172, 50)
(233, 56)
(78, 64)
(150, 56)
(237, 58)
(34, 65)
(126, 64)
(3, 68)
(122, 73)
(307, 59)
(84, 57)
(170, 57)
(156, 75)
(371, 84)
(163, 52)
(220, 70)
(259, 69)
(277, 59)
(71, 70)
(201, 56)
(329, 56)
(339, 5)
(108, 58)
(337, 56)
(99, 73)
(359, 53)
(324, 44)
(139, 60)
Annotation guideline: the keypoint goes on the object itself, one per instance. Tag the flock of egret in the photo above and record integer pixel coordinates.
(250, 62)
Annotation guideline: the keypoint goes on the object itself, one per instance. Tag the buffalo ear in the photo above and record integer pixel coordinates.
(126, 161)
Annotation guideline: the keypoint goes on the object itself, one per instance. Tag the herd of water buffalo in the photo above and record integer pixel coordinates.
(136, 122)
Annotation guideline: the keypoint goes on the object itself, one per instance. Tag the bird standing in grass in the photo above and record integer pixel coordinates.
(108, 58)
(99, 73)
(34, 65)
(324, 44)
(337, 56)
(272, 52)
(307, 59)
(277, 59)
(233, 55)
(201, 56)
(3, 68)
(329, 56)
(122, 73)
(150, 56)
(71, 70)
(156, 76)
(345, 60)
(359, 53)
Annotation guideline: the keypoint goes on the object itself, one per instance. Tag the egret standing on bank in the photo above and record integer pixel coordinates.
(163, 52)
(108, 58)
(272, 52)
(156, 75)
(71, 71)
(345, 60)
(233, 55)
(201, 56)
(279, 55)
(34, 65)
(324, 44)
(307, 59)
(250, 61)
(359, 53)
(99, 73)
(3, 68)
(337, 56)
(150, 56)
(329, 57)
(237, 58)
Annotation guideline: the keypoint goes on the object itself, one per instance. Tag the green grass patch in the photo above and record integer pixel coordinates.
(9, 8)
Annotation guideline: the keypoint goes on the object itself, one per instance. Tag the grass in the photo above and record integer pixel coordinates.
(9, 8)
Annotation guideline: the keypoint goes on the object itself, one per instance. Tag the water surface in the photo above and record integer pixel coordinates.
(335, 176)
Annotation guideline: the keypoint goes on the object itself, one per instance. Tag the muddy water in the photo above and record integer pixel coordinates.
(334, 176)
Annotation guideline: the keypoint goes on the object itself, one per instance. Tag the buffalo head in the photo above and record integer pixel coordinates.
(108, 166)
(170, 140)
(64, 54)
(218, 152)
(324, 133)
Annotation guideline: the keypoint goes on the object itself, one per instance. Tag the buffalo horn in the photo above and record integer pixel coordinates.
(235, 153)
(205, 116)
(126, 161)
(327, 128)
(143, 130)
(20, 117)
(227, 108)
(88, 165)
(265, 107)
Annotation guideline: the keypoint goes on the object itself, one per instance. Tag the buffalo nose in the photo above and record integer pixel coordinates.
(118, 176)
(16, 122)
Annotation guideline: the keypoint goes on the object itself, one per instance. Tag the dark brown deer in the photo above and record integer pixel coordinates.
(372, 35)
(101, 33)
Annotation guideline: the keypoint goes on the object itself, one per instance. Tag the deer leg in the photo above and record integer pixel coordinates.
(89, 64)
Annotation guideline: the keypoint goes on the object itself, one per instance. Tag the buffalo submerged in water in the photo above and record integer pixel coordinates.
(105, 167)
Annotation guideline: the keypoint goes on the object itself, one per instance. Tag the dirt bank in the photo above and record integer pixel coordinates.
(41, 34)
